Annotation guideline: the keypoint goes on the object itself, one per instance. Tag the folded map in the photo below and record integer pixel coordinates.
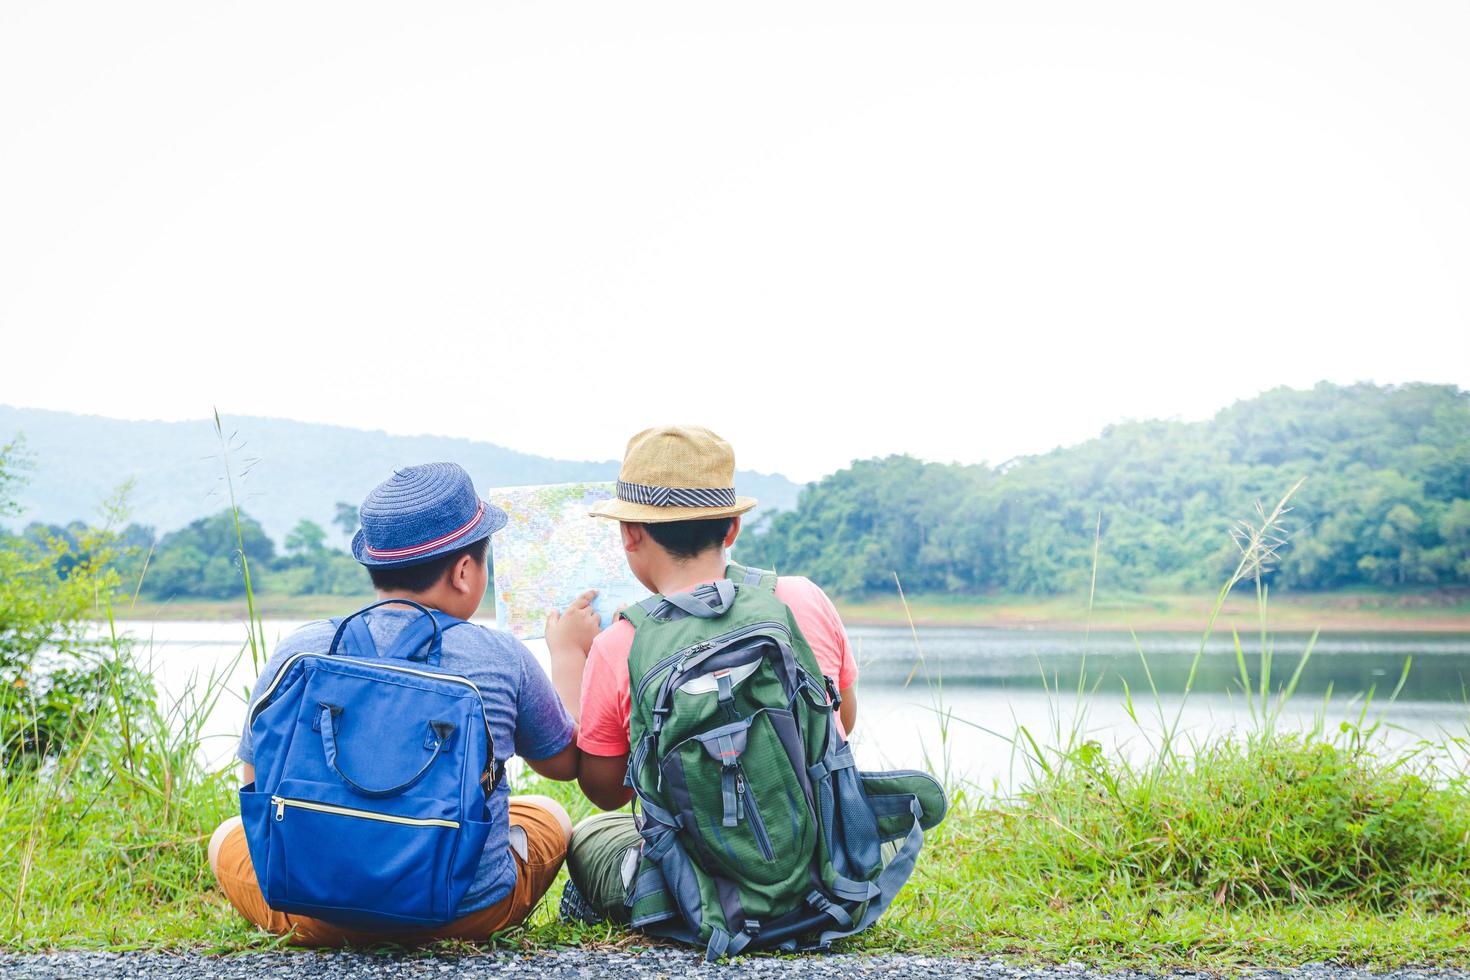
(550, 551)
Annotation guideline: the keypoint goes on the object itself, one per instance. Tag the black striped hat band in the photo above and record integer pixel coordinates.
(638, 493)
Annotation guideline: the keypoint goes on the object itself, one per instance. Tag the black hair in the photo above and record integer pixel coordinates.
(690, 539)
(422, 578)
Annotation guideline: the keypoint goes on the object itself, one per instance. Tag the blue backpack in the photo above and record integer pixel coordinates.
(372, 772)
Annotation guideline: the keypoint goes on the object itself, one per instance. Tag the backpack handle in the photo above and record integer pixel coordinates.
(698, 607)
(441, 731)
(408, 642)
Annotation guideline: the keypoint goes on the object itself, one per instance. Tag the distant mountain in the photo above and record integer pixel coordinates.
(284, 470)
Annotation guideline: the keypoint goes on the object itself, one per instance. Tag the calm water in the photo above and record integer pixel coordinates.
(979, 685)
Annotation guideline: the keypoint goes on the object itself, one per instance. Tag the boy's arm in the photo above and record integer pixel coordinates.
(563, 766)
(569, 636)
(603, 738)
(601, 779)
(545, 734)
(846, 673)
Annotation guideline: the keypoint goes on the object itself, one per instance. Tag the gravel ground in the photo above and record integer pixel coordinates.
(602, 966)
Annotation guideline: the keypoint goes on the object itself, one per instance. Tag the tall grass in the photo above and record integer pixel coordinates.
(112, 829)
(1260, 816)
(103, 841)
(254, 625)
(1263, 846)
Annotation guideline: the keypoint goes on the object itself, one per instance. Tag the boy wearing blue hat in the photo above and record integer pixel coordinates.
(424, 538)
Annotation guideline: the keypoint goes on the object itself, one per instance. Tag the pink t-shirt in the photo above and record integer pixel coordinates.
(606, 704)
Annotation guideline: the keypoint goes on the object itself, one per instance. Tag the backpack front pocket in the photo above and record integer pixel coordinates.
(742, 804)
(346, 858)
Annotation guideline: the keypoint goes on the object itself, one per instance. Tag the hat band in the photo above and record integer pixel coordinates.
(390, 554)
(640, 493)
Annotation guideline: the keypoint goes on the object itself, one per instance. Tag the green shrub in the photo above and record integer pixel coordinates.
(53, 670)
(1270, 818)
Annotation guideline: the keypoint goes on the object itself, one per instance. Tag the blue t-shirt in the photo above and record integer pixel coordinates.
(521, 706)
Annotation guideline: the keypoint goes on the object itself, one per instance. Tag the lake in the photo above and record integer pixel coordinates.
(951, 701)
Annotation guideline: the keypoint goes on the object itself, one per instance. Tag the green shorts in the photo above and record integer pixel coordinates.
(602, 859)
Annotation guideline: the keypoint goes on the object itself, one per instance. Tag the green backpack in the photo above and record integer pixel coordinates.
(758, 830)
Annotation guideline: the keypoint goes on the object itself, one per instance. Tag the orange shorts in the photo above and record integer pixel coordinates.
(546, 848)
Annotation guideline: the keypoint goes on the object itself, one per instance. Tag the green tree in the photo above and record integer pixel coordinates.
(1388, 471)
(202, 560)
(51, 670)
(307, 541)
(1454, 529)
(346, 518)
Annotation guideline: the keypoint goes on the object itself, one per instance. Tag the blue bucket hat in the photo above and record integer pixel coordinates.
(420, 513)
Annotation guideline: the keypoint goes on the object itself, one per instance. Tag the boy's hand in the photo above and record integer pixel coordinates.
(569, 636)
(576, 628)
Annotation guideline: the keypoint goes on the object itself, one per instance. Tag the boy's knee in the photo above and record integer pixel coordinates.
(563, 819)
(217, 840)
(586, 824)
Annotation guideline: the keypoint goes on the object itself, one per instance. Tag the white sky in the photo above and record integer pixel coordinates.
(966, 231)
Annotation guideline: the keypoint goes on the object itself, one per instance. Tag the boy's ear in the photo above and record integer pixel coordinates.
(733, 533)
(459, 574)
(633, 535)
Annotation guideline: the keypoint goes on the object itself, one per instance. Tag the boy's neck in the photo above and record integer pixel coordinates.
(433, 599)
(681, 577)
(399, 594)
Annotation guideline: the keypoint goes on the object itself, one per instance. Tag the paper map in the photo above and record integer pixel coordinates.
(550, 552)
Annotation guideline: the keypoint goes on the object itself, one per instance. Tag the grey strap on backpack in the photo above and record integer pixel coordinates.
(692, 603)
(890, 880)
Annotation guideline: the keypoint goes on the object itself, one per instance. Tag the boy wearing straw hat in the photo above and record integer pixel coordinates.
(678, 513)
(424, 537)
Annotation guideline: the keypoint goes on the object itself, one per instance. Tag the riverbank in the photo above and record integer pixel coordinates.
(1329, 853)
(1407, 610)
(1259, 847)
(1388, 611)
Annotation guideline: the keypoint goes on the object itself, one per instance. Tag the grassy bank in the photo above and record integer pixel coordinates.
(267, 606)
(1404, 610)
(1262, 847)
(1274, 850)
(1359, 610)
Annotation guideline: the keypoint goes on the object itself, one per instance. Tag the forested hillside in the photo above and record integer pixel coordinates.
(285, 470)
(1386, 502)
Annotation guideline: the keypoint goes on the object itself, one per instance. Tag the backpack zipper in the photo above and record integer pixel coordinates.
(281, 802)
(280, 674)
(680, 655)
(753, 813)
(453, 678)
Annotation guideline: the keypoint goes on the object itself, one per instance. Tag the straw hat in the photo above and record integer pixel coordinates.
(675, 473)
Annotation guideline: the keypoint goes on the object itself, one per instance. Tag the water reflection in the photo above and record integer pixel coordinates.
(973, 687)
(1348, 662)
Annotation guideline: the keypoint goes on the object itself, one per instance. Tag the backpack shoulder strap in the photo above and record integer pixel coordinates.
(422, 634)
(426, 631)
(639, 612)
(356, 635)
(751, 578)
(709, 601)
